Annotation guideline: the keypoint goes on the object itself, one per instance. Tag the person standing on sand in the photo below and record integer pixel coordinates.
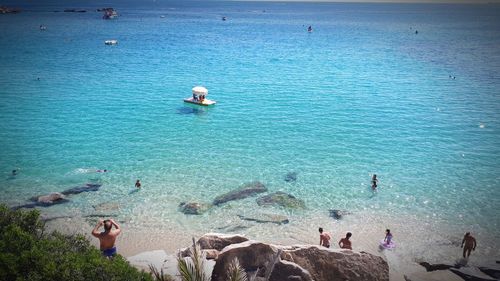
(345, 243)
(107, 238)
(470, 244)
(138, 184)
(324, 238)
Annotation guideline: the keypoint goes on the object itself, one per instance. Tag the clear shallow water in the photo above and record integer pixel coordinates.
(362, 94)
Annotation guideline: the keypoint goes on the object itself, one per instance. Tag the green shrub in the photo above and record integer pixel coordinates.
(27, 253)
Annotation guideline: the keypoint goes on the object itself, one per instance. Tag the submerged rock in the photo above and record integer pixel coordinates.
(281, 199)
(44, 201)
(434, 267)
(193, 208)
(338, 214)
(85, 188)
(107, 206)
(247, 190)
(266, 218)
(291, 177)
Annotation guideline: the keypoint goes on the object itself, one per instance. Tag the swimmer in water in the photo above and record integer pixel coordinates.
(309, 29)
(14, 172)
(374, 182)
(138, 184)
(102, 171)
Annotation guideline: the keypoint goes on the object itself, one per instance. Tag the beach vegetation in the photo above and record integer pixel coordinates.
(236, 272)
(27, 252)
(194, 267)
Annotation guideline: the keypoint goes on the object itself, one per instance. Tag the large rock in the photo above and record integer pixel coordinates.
(193, 208)
(252, 256)
(338, 265)
(282, 199)
(495, 273)
(85, 188)
(249, 189)
(266, 218)
(289, 271)
(300, 263)
(215, 241)
(50, 198)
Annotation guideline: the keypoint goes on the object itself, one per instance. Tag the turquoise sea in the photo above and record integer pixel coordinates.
(361, 94)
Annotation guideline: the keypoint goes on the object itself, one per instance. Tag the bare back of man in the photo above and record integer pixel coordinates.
(107, 238)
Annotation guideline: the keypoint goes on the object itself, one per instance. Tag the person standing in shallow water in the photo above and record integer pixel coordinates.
(388, 237)
(345, 243)
(138, 184)
(374, 182)
(324, 238)
(470, 244)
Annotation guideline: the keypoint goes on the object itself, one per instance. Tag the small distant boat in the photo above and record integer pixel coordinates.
(199, 94)
(111, 42)
(43, 27)
(162, 16)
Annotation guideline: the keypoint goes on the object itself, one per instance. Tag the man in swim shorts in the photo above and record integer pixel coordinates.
(324, 238)
(345, 243)
(470, 244)
(107, 238)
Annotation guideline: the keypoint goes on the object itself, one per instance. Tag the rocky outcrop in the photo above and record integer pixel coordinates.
(291, 177)
(215, 241)
(85, 188)
(282, 199)
(193, 208)
(266, 218)
(495, 273)
(337, 265)
(249, 189)
(299, 263)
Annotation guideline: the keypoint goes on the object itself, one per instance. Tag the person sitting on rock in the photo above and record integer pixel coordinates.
(324, 238)
(345, 243)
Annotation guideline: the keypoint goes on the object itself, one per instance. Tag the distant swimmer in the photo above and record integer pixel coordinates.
(309, 29)
(470, 244)
(14, 172)
(324, 238)
(138, 184)
(345, 243)
(374, 182)
(102, 171)
(416, 31)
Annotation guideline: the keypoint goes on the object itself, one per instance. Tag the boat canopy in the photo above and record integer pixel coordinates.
(200, 91)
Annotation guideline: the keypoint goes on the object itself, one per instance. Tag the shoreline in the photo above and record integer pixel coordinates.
(411, 248)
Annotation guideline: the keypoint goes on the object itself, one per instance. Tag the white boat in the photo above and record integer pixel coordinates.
(111, 42)
(199, 97)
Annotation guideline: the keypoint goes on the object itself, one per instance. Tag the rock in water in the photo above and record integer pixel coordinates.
(193, 208)
(45, 201)
(337, 214)
(281, 199)
(79, 189)
(107, 206)
(245, 191)
(291, 177)
(266, 218)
